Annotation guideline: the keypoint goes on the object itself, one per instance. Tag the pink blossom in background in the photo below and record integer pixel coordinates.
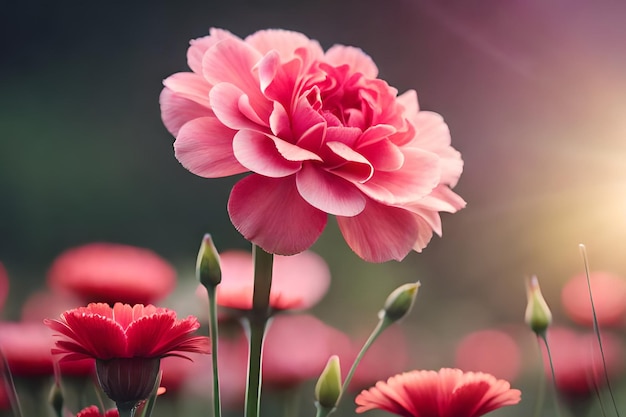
(578, 363)
(388, 356)
(297, 349)
(198, 379)
(491, 351)
(43, 304)
(298, 283)
(4, 285)
(111, 272)
(27, 347)
(320, 134)
(447, 393)
(609, 295)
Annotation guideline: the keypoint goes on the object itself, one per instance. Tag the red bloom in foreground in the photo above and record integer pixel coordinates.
(609, 299)
(127, 343)
(298, 282)
(109, 273)
(447, 393)
(321, 134)
(93, 411)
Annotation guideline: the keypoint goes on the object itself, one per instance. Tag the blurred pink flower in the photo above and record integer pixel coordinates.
(578, 363)
(609, 299)
(447, 393)
(5, 401)
(43, 304)
(4, 285)
(110, 273)
(389, 355)
(491, 351)
(321, 135)
(298, 281)
(27, 347)
(297, 349)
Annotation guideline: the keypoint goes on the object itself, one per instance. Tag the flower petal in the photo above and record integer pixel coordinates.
(232, 107)
(191, 86)
(204, 147)
(232, 61)
(328, 192)
(271, 213)
(285, 42)
(98, 336)
(380, 233)
(177, 110)
(197, 47)
(417, 178)
(358, 60)
(258, 153)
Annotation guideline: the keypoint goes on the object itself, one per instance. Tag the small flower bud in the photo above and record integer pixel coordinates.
(328, 386)
(208, 269)
(538, 315)
(400, 301)
(56, 399)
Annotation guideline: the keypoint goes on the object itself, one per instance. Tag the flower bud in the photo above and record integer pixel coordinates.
(328, 386)
(400, 301)
(208, 269)
(56, 399)
(538, 315)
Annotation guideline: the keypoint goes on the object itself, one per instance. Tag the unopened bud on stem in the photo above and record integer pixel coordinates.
(208, 269)
(400, 301)
(538, 316)
(328, 387)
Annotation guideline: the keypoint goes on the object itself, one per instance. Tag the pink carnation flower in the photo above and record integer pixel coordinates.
(320, 134)
(447, 393)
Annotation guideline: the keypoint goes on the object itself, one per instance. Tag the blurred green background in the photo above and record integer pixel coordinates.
(533, 91)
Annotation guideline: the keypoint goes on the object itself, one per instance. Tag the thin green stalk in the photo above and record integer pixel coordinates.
(557, 408)
(213, 333)
(258, 320)
(541, 388)
(596, 329)
(380, 327)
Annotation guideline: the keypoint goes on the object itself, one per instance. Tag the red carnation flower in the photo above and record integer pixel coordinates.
(449, 392)
(109, 273)
(127, 343)
(93, 411)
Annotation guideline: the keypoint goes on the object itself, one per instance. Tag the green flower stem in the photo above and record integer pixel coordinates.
(557, 408)
(380, 327)
(258, 321)
(213, 333)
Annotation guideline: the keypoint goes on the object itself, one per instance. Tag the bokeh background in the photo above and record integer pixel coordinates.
(533, 91)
